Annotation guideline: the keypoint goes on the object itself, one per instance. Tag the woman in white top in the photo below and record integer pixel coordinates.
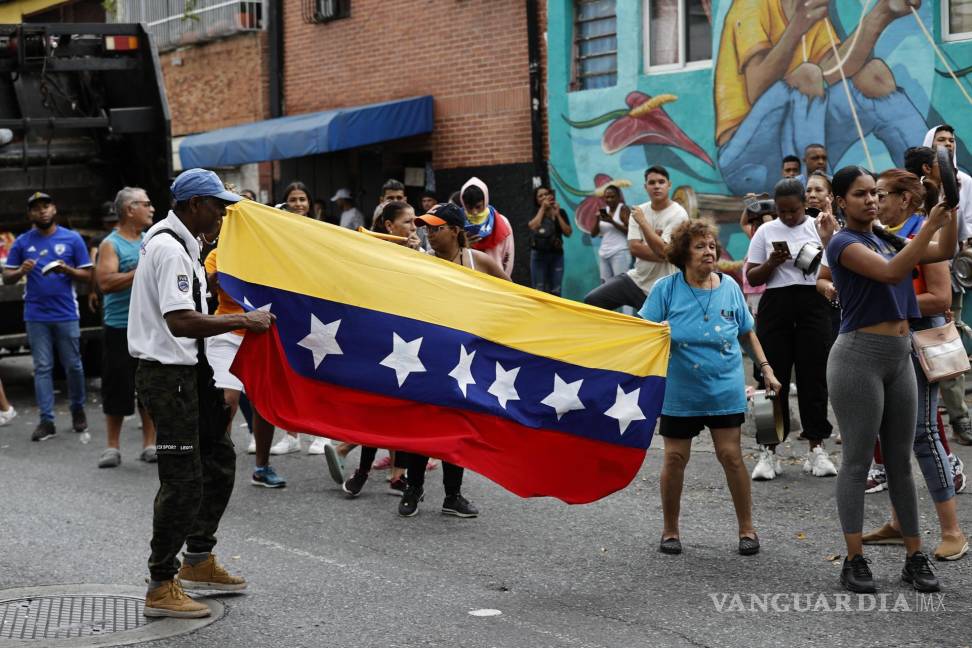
(794, 321)
(614, 257)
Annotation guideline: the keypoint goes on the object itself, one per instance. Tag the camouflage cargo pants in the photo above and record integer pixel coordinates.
(197, 467)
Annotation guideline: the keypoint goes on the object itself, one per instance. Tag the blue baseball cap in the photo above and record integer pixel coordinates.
(201, 182)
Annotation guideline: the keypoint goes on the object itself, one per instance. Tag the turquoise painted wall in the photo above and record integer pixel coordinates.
(595, 149)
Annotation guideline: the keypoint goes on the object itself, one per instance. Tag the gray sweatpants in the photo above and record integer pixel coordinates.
(872, 387)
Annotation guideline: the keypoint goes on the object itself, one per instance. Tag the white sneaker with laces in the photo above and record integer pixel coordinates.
(765, 467)
(317, 446)
(818, 463)
(7, 416)
(251, 446)
(286, 445)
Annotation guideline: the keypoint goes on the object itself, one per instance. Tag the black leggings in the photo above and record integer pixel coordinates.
(415, 464)
(368, 455)
(793, 325)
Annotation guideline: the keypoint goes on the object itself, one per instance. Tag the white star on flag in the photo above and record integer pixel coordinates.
(625, 409)
(404, 358)
(503, 388)
(249, 306)
(322, 339)
(463, 371)
(564, 397)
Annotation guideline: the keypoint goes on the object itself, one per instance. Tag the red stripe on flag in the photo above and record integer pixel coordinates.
(529, 462)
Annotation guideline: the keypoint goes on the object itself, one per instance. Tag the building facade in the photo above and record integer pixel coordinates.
(644, 82)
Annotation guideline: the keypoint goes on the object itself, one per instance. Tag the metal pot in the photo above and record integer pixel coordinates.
(808, 259)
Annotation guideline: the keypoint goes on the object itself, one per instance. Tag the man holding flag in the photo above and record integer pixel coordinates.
(196, 460)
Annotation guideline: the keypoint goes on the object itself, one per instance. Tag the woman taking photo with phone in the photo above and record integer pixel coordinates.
(870, 374)
(611, 226)
(794, 321)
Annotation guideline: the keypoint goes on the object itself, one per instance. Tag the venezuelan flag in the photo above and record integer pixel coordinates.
(380, 345)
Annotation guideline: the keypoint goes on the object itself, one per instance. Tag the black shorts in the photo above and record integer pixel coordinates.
(117, 374)
(688, 427)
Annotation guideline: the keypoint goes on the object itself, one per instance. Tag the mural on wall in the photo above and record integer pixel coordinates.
(865, 78)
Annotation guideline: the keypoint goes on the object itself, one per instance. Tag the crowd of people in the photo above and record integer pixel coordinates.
(840, 272)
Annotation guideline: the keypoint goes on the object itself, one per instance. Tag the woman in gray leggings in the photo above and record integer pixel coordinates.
(869, 373)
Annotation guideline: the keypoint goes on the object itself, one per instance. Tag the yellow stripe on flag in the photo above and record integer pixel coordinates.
(263, 245)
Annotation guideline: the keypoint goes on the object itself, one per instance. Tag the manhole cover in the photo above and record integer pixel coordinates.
(85, 615)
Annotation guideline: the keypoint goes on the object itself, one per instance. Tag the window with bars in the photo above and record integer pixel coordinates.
(957, 19)
(595, 44)
(677, 33)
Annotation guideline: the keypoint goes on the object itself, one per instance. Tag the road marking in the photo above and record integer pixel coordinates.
(486, 612)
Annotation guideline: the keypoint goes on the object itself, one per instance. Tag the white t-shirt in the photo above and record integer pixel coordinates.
(352, 218)
(613, 240)
(646, 273)
(163, 284)
(761, 247)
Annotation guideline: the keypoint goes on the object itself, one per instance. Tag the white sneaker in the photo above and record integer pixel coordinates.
(317, 446)
(286, 445)
(9, 415)
(818, 463)
(765, 468)
(251, 447)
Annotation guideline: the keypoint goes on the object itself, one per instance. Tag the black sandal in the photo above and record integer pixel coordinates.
(748, 546)
(671, 546)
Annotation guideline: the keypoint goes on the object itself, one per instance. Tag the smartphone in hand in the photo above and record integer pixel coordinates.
(781, 246)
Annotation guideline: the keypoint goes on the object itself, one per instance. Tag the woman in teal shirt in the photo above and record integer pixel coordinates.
(705, 386)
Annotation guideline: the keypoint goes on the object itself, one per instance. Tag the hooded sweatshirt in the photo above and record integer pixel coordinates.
(495, 231)
(965, 190)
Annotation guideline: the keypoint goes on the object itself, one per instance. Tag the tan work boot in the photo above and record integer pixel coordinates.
(952, 547)
(886, 535)
(168, 600)
(209, 575)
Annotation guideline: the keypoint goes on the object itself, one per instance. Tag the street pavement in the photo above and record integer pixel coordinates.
(328, 571)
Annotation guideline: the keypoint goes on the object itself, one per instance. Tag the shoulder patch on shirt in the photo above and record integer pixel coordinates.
(183, 282)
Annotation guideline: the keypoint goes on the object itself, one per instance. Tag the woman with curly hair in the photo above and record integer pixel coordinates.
(706, 386)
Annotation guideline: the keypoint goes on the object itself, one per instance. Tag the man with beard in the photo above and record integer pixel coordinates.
(52, 258)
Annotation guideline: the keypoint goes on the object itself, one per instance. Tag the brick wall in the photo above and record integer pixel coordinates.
(217, 84)
(471, 55)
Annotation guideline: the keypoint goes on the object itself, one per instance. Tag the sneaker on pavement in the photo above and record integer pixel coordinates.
(317, 446)
(335, 463)
(168, 600)
(209, 575)
(765, 468)
(355, 483)
(149, 454)
(958, 472)
(408, 507)
(79, 420)
(952, 547)
(267, 477)
(459, 506)
(856, 576)
(287, 445)
(877, 479)
(44, 430)
(251, 446)
(110, 458)
(7, 416)
(818, 463)
(917, 571)
(886, 535)
(397, 486)
(962, 431)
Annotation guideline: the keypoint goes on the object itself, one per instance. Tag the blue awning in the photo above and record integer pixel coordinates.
(310, 134)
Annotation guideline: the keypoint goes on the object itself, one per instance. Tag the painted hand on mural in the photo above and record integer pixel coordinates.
(643, 122)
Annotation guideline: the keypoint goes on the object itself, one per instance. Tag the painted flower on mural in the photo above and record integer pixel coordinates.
(643, 122)
(586, 212)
